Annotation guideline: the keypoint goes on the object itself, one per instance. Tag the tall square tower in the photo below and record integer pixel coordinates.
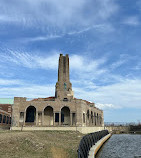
(63, 86)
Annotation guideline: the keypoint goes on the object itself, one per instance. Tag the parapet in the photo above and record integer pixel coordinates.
(19, 99)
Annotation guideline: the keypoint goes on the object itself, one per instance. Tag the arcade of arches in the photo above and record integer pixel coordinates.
(63, 109)
(65, 117)
(48, 117)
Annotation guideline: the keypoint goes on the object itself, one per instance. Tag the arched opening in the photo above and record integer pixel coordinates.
(83, 117)
(65, 116)
(91, 117)
(100, 119)
(48, 116)
(31, 114)
(97, 119)
(88, 117)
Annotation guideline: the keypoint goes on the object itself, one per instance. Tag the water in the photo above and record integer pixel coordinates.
(121, 146)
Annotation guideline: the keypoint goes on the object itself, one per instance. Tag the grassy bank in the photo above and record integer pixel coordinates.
(39, 144)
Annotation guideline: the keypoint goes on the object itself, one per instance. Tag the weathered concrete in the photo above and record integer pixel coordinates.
(84, 130)
(118, 129)
(95, 148)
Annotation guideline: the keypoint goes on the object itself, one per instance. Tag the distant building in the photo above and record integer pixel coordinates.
(5, 115)
(6, 107)
(62, 110)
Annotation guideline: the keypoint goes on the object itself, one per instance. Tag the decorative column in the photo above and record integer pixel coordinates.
(71, 119)
(24, 118)
(36, 118)
(54, 119)
(89, 119)
(86, 119)
(42, 118)
(95, 120)
(2, 119)
(59, 118)
(75, 119)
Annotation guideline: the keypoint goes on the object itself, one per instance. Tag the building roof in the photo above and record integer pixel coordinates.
(44, 99)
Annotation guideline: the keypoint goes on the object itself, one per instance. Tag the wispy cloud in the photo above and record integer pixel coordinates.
(85, 64)
(125, 94)
(65, 15)
(132, 21)
(30, 60)
(118, 95)
(42, 38)
(83, 67)
(123, 58)
(106, 106)
(9, 82)
(104, 28)
(86, 74)
(29, 91)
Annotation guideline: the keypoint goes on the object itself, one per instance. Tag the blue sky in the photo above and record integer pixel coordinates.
(102, 38)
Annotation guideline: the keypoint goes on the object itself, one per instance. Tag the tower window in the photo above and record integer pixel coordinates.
(65, 99)
(65, 86)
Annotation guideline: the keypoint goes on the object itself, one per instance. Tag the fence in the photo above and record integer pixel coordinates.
(120, 123)
(88, 141)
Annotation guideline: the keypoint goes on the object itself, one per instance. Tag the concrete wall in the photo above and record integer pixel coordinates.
(77, 106)
(95, 148)
(117, 128)
(84, 130)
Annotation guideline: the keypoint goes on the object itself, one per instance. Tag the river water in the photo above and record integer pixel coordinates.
(121, 146)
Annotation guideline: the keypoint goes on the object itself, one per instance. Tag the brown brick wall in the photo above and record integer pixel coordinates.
(6, 107)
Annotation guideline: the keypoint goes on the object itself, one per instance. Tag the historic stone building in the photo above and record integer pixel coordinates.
(63, 110)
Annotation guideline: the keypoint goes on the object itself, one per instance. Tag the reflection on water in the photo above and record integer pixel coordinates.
(121, 146)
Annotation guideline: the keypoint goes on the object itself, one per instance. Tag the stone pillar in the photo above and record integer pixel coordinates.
(2, 119)
(24, 118)
(59, 118)
(75, 119)
(95, 120)
(71, 119)
(36, 118)
(54, 119)
(86, 119)
(89, 119)
(42, 118)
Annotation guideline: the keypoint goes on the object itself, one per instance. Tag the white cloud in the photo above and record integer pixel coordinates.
(30, 60)
(122, 94)
(29, 91)
(82, 64)
(8, 18)
(105, 106)
(133, 21)
(125, 94)
(6, 82)
(104, 28)
(42, 38)
(123, 59)
(51, 15)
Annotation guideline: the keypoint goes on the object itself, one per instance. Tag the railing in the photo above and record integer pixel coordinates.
(88, 141)
(120, 123)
